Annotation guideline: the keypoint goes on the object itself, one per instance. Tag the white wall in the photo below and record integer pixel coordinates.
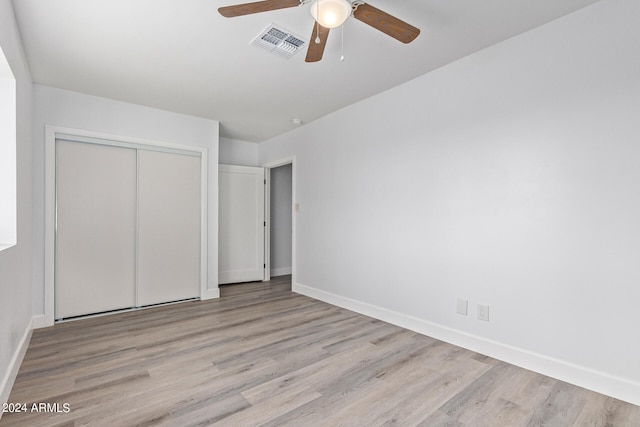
(239, 153)
(74, 110)
(16, 262)
(509, 178)
(280, 216)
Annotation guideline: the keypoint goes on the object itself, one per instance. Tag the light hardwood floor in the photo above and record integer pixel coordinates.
(262, 355)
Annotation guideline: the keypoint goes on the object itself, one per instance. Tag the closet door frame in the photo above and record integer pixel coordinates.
(56, 132)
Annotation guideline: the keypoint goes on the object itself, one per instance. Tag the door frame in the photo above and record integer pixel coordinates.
(51, 134)
(267, 214)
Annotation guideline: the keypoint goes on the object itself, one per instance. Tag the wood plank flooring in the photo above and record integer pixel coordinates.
(262, 355)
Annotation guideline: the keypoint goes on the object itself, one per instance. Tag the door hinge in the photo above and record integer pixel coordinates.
(265, 182)
(264, 266)
(265, 223)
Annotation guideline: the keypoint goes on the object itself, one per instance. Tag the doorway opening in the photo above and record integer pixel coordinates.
(280, 218)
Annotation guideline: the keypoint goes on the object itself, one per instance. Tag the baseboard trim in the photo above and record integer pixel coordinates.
(14, 366)
(600, 382)
(280, 271)
(210, 294)
(38, 322)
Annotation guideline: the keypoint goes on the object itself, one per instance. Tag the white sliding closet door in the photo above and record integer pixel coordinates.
(241, 224)
(96, 228)
(168, 227)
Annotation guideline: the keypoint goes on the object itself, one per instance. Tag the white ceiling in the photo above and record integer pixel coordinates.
(182, 56)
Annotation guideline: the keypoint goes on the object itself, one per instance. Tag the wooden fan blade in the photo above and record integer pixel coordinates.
(382, 21)
(315, 50)
(256, 7)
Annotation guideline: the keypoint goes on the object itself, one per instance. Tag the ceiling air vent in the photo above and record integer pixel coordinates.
(279, 41)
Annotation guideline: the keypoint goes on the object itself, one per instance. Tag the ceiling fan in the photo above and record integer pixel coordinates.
(330, 14)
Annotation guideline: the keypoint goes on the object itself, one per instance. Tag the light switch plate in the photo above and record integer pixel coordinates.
(483, 312)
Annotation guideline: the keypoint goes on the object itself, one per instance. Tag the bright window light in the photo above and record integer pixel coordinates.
(8, 225)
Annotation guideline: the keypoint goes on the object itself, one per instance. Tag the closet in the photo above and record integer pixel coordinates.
(127, 226)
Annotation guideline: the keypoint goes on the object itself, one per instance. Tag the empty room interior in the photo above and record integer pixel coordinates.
(320, 212)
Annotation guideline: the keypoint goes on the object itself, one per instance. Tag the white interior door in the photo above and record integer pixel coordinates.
(241, 224)
(96, 228)
(168, 227)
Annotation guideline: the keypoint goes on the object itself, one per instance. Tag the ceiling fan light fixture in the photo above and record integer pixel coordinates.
(330, 13)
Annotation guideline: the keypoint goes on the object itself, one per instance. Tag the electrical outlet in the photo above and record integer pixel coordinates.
(462, 306)
(483, 312)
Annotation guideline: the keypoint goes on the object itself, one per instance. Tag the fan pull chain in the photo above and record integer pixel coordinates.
(342, 47)
(317, 40)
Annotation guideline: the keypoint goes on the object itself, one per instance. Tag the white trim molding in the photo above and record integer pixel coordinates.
(210, 294)
(275, 272)
(600, 382)
(38, 321)
(14, 366)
